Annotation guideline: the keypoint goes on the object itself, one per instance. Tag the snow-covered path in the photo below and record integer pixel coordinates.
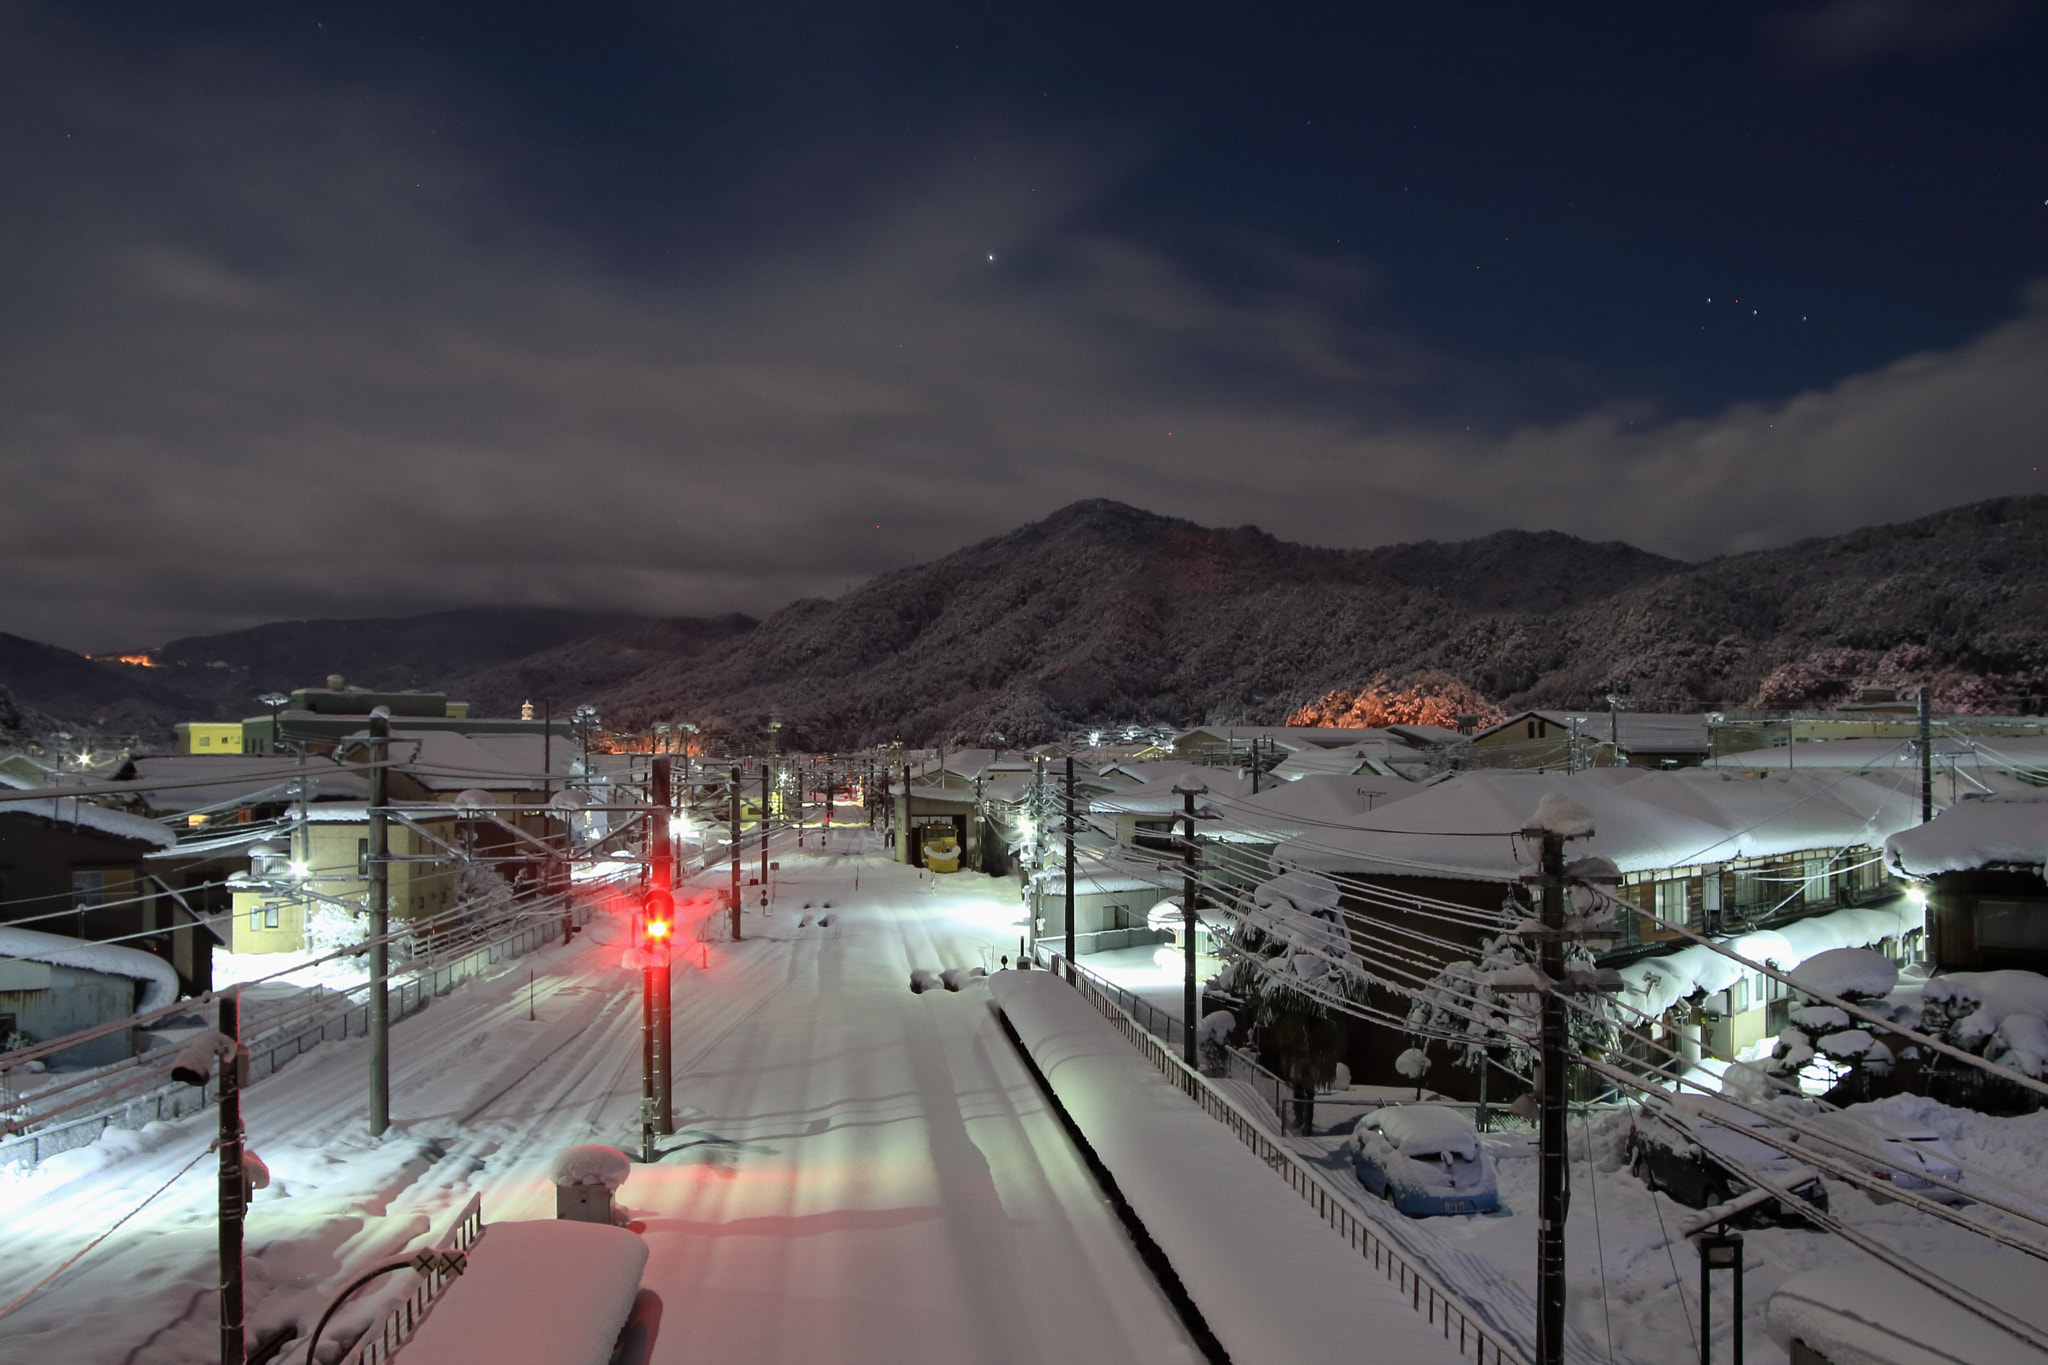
(857, 1172)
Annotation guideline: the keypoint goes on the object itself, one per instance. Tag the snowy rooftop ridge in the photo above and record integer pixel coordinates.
(70, 810)
(1971, 834)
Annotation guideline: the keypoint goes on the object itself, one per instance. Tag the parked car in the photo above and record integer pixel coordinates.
(1910, 1151)
(1426, 1159)
(1695, 1148)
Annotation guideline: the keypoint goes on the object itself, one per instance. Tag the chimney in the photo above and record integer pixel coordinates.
(335, 682)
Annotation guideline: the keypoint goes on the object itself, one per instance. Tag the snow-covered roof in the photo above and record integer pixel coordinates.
(1644, 820)
(33, 945)
(1158, 795)
(1655, 984)
(242, 776)
(1426, 736)
(1105, 874)
(1994, 831)
(70, 810)
(1291, 737)
(1314, 802)
(1862, 1312)
(1867, 755)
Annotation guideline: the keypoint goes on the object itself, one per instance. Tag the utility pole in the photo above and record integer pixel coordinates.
(733, 897)
(661, 876)
(767, 776)
(233, 1180)
(1552, 1198)
(380, 922)
(1189, 874)
(1926, 753)
(1070, 867)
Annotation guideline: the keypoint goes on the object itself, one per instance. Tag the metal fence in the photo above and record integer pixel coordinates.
(377, 1345)
(1237, 1066)
(410, 992)
(1428, 1297)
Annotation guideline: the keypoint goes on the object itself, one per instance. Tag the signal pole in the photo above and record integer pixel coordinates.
(1187, 920)
(233, 1182)
(767, 775)
(380, 923)
(733, 897)
(1552, 1197)
(1926, 754)
(661, 876)
(1070, 868)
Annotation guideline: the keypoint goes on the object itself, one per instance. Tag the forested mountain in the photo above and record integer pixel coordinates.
(1104, 612)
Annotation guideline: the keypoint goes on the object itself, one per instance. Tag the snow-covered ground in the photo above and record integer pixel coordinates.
(1634, 1282)
(858, 1172)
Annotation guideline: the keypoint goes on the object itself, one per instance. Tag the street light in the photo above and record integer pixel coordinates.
(276, 701)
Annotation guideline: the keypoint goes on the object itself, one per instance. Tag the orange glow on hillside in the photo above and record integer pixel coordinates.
(1429, 699)
(133, 660)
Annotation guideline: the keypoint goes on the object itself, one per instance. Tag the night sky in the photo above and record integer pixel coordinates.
(372, 309)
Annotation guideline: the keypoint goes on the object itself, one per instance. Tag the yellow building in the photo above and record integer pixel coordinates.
(209, 737)
(330, 857)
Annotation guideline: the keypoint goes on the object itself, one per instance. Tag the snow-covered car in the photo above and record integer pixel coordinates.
(1426, 1159)
(1910, 1151)
(1695, 1149)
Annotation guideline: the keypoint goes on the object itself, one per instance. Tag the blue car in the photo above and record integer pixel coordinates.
(1425, 1159)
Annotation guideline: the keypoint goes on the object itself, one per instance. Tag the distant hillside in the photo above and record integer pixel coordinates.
(492, 657)
(1104, 612)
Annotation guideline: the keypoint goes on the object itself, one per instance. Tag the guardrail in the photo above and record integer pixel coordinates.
(268, 1052)
(377, 1346)
(1424, 1292)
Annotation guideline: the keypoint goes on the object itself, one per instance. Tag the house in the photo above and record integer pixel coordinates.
(1114, 894)
(1979, 867)
(318, 718)
(208, 737)
(52, 985)
(1563, 741)
(1432, 875)
(323, 862)
(70, 867)
(1962, 766)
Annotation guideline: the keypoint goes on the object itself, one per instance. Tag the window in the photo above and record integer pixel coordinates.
(2012, 924)
(1814, 880)
(1671, 906)
(1710, 903)
(1532, 729)
(362, 857)
(270, 916)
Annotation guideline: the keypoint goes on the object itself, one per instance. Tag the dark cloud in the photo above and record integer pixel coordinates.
(287, 345)
(1835, 35)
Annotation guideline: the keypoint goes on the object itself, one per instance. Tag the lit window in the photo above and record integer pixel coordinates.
(270, 917)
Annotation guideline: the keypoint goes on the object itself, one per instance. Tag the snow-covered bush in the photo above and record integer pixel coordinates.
(1824, 1043)
(2000, 1016)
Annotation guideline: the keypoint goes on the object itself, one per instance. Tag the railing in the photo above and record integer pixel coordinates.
(1238, 1066)
(270, 1050)
(377, 1346)
(1427, 1296)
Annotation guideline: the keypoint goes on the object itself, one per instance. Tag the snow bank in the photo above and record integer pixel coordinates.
(1272, 1280)
(1655, 984)
(69, 810)
(1865, 1313)
(2008, 831)
(594, 1164)
(1420, 1130)
(160, 979)
(543, 1293)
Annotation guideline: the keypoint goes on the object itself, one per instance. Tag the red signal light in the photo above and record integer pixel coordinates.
(661, 916)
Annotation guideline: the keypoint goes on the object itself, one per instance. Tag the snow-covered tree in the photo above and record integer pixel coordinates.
(1826, 1043)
